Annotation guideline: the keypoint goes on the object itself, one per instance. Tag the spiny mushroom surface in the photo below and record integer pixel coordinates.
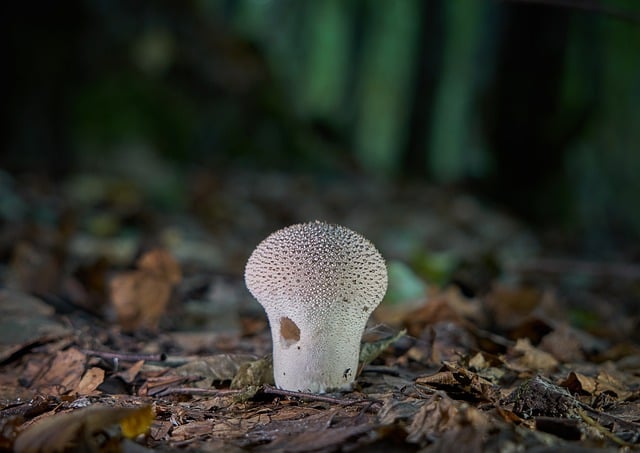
(318, 284)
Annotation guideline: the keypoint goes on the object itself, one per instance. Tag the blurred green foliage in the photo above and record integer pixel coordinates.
(124, 108)
(532, 105)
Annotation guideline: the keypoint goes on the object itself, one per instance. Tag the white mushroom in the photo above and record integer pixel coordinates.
(318, 284)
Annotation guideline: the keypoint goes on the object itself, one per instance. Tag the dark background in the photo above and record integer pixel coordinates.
(531, 106)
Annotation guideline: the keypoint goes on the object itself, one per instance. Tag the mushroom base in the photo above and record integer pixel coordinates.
(318, 362)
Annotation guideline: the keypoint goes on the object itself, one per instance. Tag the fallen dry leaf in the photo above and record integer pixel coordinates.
(579, 383)
(564, 343)
(90, 381)
(510, 306)
(437, 416)
(63, 374)
(447, 341)
(459, 381)
(140, 297)
(608, 383)
(34, 269)
(161, 263)
(446, 306)
(24, 320)
(219, 367)
(191, 430)
(158, 385)
(129, 375)
(529, 357)
(75, 431)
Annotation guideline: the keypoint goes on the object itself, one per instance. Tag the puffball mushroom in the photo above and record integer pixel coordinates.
(318, 284)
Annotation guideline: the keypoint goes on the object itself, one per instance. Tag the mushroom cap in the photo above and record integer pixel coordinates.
(317, 268)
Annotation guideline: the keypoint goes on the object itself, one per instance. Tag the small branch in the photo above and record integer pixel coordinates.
(126, 357)
(378, 369)
(197, 391)
(601, 429)
(312, 396)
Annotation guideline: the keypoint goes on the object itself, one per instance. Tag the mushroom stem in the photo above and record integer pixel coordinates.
(323, 359)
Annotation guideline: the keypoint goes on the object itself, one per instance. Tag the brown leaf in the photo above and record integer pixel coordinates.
(140, 297)
(471, 437)
(446, 306)
(320, 439)
(608, 383)
(34, 269)
(531, 358)
(87, 288)
(130, 373)
(90, 381)
(435, 310)
(63, 374)
(156, 385)
(219, 367)
(441, 415)
(160, 262)
(24, 320)
(510, 306)
(298, 429)
(191, 430)
(445, 341)
(76, 430)
(568, 344)
(458, 380)
(579, 383)
(160, 429)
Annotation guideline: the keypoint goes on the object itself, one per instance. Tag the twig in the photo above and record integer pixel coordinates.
(311, 396)
(197, 391)
(126, 357)
(601, 429)
(379, 369)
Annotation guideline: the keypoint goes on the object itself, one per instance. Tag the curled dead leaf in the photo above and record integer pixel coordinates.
(76, 430)
(140, 297)
(161, 263)
(63, 373)
(449, 305)
(91, 380)
(531, 358)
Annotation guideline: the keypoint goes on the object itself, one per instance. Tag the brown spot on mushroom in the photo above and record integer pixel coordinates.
(289, 331)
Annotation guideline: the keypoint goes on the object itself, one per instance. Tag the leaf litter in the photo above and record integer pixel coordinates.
(156, 347)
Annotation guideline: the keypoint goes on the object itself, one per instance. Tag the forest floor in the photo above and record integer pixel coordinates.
(125, 324)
